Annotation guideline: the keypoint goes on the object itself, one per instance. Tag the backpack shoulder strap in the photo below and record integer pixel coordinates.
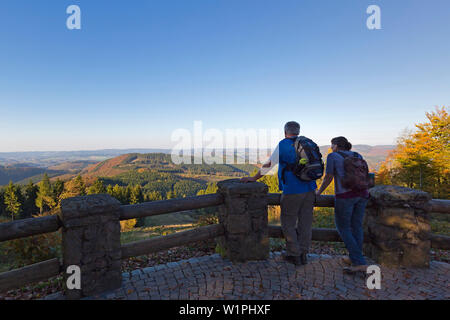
(297, 142)
(357, 155)
(299, 139)
(342, 154)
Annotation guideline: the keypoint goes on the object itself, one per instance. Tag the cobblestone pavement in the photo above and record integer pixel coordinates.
(212, 277)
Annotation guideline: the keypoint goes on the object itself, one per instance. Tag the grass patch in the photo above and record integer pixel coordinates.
(440, 223)
(143, 233)
(322, 218)
(171, 219)
(5, 260)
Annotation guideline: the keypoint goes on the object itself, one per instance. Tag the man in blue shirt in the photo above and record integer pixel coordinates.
(297, 200)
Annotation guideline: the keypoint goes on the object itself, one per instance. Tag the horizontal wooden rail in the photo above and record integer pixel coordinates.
(168, 206)
(440, 206)
(28, 227)
(274, 199)
(152, 245)
(34, 226)
(29, 274)
(320, 234)
(331, 235)
(440, 242)
(324, 201)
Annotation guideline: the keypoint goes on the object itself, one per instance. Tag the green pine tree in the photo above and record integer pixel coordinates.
(45, 198)
(170, 195)
(2, 203)
(110, 190)
(119, 194)
(97, 187)
(29, 205)
(136, 195)
(74, 188)
(58, 189)
(79, 187)
(127, 194)
(153, 196)
(12, 201)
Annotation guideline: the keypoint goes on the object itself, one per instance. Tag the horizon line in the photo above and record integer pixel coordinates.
(166, 149)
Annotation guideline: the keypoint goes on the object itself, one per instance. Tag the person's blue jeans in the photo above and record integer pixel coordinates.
(349, 216)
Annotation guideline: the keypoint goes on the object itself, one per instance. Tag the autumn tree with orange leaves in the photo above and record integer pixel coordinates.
(421, 159)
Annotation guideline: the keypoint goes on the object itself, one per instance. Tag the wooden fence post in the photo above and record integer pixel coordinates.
(398, 227)
(245, 221)
(91, 241)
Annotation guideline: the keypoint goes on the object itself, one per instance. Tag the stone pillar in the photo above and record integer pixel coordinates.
(397, 227)
(91, 240)
(244, 217)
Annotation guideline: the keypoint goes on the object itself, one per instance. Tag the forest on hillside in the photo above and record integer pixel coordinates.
(147, 179)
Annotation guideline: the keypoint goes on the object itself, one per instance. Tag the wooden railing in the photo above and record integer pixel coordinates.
(48, 269)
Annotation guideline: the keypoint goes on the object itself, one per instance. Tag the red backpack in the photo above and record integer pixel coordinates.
(356, 172)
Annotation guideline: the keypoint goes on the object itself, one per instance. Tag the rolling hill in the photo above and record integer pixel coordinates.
(21, 174)
(159, 162)
(155, 172)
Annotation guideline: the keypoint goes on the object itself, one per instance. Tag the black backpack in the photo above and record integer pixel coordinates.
(308, 165)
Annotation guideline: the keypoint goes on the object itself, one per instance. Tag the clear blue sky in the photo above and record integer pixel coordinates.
(140, 69)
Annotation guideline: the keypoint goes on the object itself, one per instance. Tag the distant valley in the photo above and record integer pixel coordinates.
(20, 167)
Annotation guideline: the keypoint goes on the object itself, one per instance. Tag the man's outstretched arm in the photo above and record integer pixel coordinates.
(273, 161)
(258, 175)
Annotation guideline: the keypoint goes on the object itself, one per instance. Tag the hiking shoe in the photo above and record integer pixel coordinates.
(292, 259)
(355, 269)
(347, 261)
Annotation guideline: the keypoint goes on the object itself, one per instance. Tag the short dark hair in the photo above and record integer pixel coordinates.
(342, 143)
(292, 127)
